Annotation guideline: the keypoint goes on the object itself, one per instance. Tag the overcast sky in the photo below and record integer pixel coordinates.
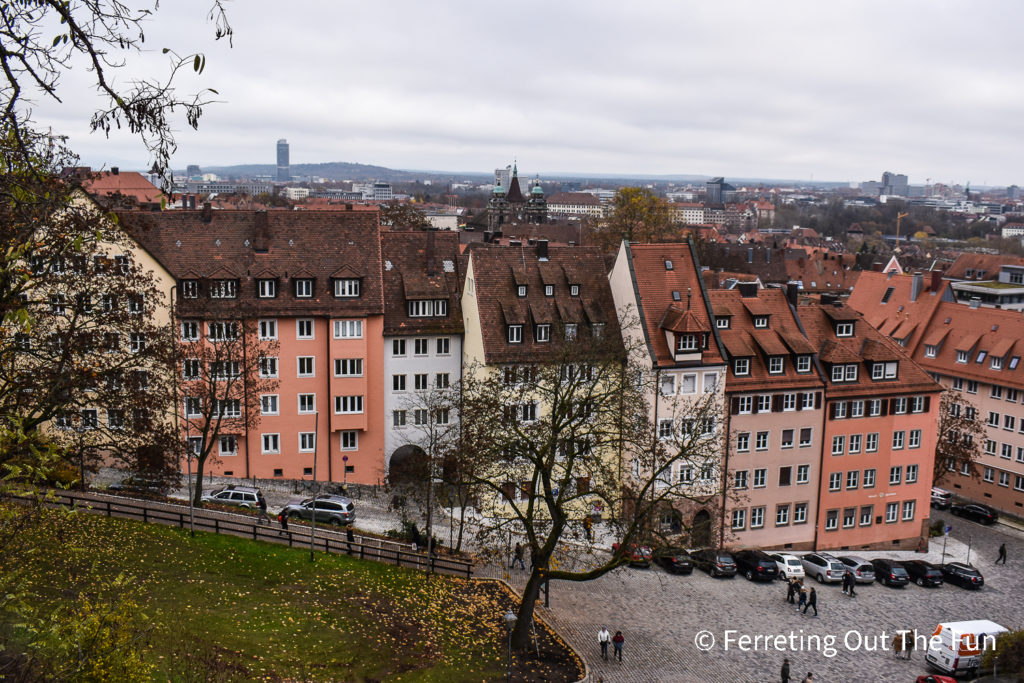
(824, 90)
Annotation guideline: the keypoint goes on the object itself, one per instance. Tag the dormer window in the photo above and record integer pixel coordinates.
(543, 333)
(515, 334)
(803, 363)
(776, 364)
(884, 370)
(521, 291)
(428, 308)
(224, 289)
(190, 289)
(760, 321)
(346, 288)
(304, 288)
(996, 363)
(930, 351)
(844, 372)
(723, 322)
(741, 367)
(549, 290)
(267, 288)
(844, 329)
(687, 342)
(962, 356)
(574, 290)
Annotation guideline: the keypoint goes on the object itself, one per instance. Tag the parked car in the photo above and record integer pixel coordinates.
(941, 498)
(863, 571)
(890, 572)
(789, 566)
(714, 562)
(638, 555)
(823, 567)
(335, 510)
(934, 678)
(963, 575)
(674, 560)
(141, 485)
(756, 565)
(976, 512)
(923, 573)
(242, 496)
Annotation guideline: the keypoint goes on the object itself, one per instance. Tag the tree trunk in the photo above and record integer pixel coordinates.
(523, 631)
(197, 493)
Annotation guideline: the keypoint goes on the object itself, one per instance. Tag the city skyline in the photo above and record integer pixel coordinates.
(826, 94)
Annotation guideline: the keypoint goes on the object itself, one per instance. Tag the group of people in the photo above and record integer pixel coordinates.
(903, 643)
(604, 637)
(809, 678)
(807, 600)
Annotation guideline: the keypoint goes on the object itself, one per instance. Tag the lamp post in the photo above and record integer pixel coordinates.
(188, 462)
(510, 623)
(344, 474)
(312, 528)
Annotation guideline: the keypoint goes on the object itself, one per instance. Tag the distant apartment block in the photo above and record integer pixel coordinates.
(577, 204)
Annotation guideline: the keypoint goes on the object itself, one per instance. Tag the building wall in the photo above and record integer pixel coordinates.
(902, 533)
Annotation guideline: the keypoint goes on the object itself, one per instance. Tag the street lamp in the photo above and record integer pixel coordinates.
(312, 527)
(510, 623)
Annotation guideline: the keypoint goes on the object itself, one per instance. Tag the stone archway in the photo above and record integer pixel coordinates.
(700, 530)
(407, 467)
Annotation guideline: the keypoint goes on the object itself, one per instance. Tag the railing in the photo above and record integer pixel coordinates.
(297, 535)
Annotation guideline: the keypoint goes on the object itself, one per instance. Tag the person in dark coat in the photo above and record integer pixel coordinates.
(803, 600)
(812, 601)
(785, 670)
(262, 516)
(618, 640)
(790, 590)
(518, 557)
(1002, 554)
(283, 518)
(349, 538)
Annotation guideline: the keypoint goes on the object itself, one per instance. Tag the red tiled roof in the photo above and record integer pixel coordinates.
(421, 265)
(207, 245)
(126, 183)
(654, 285)
(988, 263)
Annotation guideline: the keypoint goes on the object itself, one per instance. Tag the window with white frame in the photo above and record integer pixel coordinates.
(892, 511)
(268, 366)
(852, 479)
(899, 405)
(304, 288)
(776, 365)
(349, 440)
(443, 346)
(761, 441)
(306, 367)
(271, 443)
(838, 373)
(875, 407)
(307, 403)
(687, 342)
(189, 330)
(849, 517)
(267, 329)
(269, 404)
(421, 347)
(348, 404)
(267, 289)
(420, 381)
(574, 290)
(803, 474)
(688, 384)
(740, 479)
(745, 404)
(963, 356)
(760, 476)
(972, 386)
(806, 436)
(867, 514)
(739, 519)
(844, 329)
(930, 351)
(854, 446)
(831, 520)
(515, 334)
(228, 445)
(851, 372)
(222, 331)
(193, 406)
(307, 442)
(871, 442)
(788, 402)
(349, 329)
(838, 445)
(223, 289)
(911, 474)
(787, 438)
(895, 475)
(835, 481)
(799, 513)
(442, 380)
(398, 418)
(304, 328)
(668, 384)
(741, 367)
(189, 289)
(191, 368)
(231, 407)
(221, 370)
(348, 367)
(908, 510)
(869, 477)
(756, 517)
(885, 370)
(839, 410)
(764, 403)
(570, 331)
(542, 333)
(803, 363)
(1004, 479)
(914, 438)
(898, 439)
(346, 287)
(807, 400)
(760, 322)
(743, 441)
(665, 428)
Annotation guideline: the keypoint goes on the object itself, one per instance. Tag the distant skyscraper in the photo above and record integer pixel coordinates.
(503, 176)
(718, 191)
(894, 183)
(283, 170)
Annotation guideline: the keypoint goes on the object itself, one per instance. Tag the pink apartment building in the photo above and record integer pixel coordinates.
(312, 282)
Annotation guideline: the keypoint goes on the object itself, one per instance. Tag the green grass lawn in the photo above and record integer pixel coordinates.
(256, 611)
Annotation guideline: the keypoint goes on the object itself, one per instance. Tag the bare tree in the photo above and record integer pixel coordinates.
(41, 41)
(224, 368)
(961, 433)
(554, 442)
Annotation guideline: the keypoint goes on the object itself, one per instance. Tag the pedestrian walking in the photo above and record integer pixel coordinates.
(349, 538)
(518, 557)
(897, 645)
(617, 640)
(812, 601)
(283, 519)
(910, 646)
(802, 603)
(785, 670)
(790, 590)
(262, 515)
(588, 527)
(603, 638)
(853, 585)
(1002, 554)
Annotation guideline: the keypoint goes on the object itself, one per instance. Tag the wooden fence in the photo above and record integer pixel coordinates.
(297, 535)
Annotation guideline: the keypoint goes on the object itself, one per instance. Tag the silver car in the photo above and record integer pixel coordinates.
(242, 496)
(862, 570)
(337, 510)
(823, 567)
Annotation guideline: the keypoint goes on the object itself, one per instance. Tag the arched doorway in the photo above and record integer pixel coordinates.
(407, 467)
(700, 531)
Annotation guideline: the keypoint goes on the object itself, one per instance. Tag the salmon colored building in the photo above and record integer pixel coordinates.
(881, 412)
(311, 283)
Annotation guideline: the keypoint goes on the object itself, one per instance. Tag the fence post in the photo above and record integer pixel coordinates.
(216, 525)
(254, 532)
(108, 508)
(362, 551)
(145, 514)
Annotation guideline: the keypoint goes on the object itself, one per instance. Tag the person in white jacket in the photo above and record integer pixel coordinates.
(603, 638)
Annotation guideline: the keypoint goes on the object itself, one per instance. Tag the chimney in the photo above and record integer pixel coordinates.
(261, 236)
(890, 273)
(792, 292)
(750, 254)
(207, 212)
(936, 281)
(975, 302)
(114, 170)
(542, 250)
(431, 266)
(488, 236)
(767, 255)
(747, 289)
(192, 202)
(915, 286)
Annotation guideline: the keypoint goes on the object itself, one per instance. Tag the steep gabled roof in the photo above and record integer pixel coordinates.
(421, 265)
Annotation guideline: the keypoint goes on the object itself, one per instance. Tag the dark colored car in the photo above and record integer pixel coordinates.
(975, 512)
(890, 572)
(963, 575)
(638, 555)
(674, 560)
(714, 562)
(756, 565)
(923, 573)
(141, 485)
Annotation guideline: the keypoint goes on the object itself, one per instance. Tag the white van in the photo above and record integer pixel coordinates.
(941, 498)
(958, 645)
